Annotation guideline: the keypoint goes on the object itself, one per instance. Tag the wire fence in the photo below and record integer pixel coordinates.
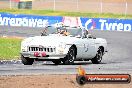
(94, 6)
(91, 6)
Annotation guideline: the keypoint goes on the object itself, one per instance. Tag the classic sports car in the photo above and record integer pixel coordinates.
(63, 44)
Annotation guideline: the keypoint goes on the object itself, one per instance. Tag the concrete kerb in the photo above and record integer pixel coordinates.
(10, 62)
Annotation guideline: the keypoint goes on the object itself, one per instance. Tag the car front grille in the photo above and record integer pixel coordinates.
(45, 49)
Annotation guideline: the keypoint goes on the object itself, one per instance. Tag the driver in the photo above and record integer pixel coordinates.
(60, 31)
(64, 32)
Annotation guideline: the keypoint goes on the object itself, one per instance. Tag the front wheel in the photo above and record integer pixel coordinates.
(98, 58)
(26, 60)
(70, 57)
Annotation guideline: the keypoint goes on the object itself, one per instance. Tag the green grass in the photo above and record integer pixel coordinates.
(62, 13)
(9, 48)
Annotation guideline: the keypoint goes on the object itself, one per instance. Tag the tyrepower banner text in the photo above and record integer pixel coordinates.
(22, 20)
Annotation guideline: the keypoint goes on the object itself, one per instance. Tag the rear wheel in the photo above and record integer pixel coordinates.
(70, 57)
(26, 60)
(98, 58)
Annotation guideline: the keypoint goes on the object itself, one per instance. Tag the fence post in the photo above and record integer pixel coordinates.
(54, 5)
(10, 4)
(126, 9)
(77, 6)
(101, 6)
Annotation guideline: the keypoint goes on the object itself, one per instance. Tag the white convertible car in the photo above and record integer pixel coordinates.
(63, 45)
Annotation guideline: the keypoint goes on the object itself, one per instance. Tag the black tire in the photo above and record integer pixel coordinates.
(81, 80)
(26, 60)
(70, 57)
(98, 58)
(56, 62)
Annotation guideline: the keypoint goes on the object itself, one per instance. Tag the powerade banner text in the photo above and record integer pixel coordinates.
(42, 21)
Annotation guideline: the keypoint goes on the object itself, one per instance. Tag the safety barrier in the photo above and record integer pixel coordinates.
(22, 20)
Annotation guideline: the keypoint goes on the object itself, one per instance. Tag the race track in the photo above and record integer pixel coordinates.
(117, 60)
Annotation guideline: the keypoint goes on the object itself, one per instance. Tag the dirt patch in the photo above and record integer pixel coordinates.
(51, 81)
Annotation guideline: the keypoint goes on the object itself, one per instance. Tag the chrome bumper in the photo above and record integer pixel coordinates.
(48, 56)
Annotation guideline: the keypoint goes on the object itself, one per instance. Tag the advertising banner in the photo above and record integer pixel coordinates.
(107, 24)
(22, 20)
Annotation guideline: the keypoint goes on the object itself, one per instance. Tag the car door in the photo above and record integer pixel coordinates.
(88, 48)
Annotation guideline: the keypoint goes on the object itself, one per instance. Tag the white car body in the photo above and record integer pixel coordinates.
(56, 47)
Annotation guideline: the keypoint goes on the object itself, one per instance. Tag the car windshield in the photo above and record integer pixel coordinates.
(61, 30)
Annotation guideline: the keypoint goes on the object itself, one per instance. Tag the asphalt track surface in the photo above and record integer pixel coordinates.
(117, 60)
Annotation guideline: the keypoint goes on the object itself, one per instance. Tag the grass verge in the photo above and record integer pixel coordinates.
(9, 48)
(62, 13)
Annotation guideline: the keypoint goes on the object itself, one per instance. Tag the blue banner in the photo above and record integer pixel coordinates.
(107, 24)
(27, 20)
(42, 21)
